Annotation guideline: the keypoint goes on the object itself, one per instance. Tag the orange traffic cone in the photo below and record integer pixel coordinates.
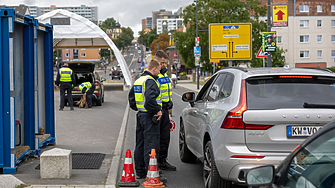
(153, 179)
(128, 177)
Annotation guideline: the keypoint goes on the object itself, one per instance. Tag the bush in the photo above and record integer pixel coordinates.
(182, 74)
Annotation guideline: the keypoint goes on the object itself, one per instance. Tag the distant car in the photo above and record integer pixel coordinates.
(84, 72)
(310, 165)
(139, 60)
(139, 51)
(131, 54)
(125, 55)
(115, 74)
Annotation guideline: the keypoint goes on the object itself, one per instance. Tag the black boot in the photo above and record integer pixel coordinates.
(164, 165)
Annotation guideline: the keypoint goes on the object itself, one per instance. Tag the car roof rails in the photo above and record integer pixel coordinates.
(317, 68)
(238, 68)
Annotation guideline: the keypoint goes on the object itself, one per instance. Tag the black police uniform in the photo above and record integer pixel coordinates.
(147, 132)
(165, 134)
(68, 87)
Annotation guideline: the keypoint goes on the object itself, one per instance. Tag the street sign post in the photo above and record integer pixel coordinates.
(279, 15)
(230, 41)
(197, 52)
(261, 54)
(197, 41)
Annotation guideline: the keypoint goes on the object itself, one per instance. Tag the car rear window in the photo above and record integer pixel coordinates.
(268, 93)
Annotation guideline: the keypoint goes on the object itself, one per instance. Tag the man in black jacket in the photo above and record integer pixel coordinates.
(65, 78)
(145, 97)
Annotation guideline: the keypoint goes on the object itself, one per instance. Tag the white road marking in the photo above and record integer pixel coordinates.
(176, 94)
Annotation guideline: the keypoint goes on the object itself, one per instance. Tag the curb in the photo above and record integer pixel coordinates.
(185, 87)
(114, 168)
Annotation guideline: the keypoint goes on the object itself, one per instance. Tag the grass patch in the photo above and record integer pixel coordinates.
(200, 83)
(21, 185)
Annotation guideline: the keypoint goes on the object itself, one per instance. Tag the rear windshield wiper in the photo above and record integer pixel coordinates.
(311, 105)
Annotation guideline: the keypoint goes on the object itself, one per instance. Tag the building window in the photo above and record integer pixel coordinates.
(333, 23)
(319, 53)
(67, 55)
(279, 39)
(304, 54)
(304, 23)
(333, 53)
(333, 38)
(319, 23)
(319, 38)
(304, 38)
(83, 54)
(333, 8)
(319, 8)
(303, 8)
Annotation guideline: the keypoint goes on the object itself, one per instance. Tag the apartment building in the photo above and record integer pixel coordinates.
(166, 24)
(88, 12)
(149, 23)
(310, 35)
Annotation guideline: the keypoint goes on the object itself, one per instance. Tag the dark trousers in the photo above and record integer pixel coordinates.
(89, 96)
(68, 87)
(164, 135)
(147, 138)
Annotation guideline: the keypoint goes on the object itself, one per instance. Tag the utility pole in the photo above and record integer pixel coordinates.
(269, 29)
(175, 51)
(196, 17)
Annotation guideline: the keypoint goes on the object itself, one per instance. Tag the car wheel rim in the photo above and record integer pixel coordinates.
(181, 140)
(207, 168)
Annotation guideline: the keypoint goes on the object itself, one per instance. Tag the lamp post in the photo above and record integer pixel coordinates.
(269, 29)
(196, 25)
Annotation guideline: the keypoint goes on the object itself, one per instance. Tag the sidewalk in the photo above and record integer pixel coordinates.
(112, 175)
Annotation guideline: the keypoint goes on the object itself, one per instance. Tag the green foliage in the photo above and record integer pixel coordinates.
(228, 11)
(105, 55)
(151, 38)
(183, 74)
(109, 23)
(125, 38)
(22, 185)
(331, 68)
(144, 37)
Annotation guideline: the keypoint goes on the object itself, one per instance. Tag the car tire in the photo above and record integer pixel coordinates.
(211, 174)
(185, 154)
(99, 102)
(103, 99)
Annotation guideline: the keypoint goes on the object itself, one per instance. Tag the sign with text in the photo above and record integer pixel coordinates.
(197, 41)
(269, 41)
(279, 16)
(230, 41)
(197, 52)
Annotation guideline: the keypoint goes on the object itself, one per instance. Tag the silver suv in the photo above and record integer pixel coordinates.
(243, 118)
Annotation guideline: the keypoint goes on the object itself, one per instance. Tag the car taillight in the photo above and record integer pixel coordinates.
(96, 83)
(234, 117)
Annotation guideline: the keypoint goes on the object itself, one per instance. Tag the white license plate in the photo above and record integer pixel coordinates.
(301, 131)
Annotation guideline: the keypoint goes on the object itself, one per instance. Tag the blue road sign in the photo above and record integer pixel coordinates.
(197, 52)
(142, 64)
(230, 27)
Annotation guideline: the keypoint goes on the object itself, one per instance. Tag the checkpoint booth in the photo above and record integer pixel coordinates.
(27, 90)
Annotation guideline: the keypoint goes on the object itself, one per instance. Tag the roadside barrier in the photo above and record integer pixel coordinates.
(128, 176)
(153, 179)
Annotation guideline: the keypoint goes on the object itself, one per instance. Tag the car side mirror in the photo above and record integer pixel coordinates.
(189, 97)
(103, 79)
(262, 176)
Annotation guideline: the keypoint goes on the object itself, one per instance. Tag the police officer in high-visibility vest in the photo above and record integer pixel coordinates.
(65, 78)
(87, 88)
(166, 91)
(145, 97)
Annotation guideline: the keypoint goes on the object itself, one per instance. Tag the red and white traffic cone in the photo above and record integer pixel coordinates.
(128, 176)
(153, 179)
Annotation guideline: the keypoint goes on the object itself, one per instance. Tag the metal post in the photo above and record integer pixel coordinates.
(175, 51)
(269, 29)
(196, 17)
(230, 63)
(263, 62)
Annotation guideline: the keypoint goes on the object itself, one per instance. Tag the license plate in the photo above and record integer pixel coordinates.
(302, 131)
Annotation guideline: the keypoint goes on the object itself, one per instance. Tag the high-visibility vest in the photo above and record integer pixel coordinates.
(65, 74)
(165, 87)
(139, 90)
(88, 86)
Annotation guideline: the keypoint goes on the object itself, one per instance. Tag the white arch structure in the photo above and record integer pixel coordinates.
(74, 31)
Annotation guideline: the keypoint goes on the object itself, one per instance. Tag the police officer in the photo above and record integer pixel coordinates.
(145, 98)
(87, 88)
(166, 91)
(65, 78)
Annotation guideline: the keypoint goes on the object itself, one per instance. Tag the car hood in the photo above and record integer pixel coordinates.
(79, 66)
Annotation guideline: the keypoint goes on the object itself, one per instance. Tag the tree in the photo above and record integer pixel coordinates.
(162, 40)
(125, 38)
(109, 23)
(214, 11)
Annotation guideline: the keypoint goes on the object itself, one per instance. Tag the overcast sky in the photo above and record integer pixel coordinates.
(128, 12)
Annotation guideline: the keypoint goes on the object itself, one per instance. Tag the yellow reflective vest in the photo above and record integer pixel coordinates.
(139, 90)
(65, 74)
(88, 86)
(165, 87)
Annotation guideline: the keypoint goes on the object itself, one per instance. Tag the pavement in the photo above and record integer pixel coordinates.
(114, 168)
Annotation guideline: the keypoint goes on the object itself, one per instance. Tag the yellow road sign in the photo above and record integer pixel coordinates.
(279, 15)
(214, 61)
(230, 41)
